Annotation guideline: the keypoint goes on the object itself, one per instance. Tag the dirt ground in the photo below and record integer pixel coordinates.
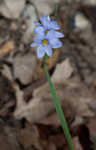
(28, 120)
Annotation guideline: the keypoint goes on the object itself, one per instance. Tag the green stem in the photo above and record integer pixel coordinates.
(59, 110)
(56, 11)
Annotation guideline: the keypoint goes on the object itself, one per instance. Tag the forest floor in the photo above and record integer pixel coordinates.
(28, 120)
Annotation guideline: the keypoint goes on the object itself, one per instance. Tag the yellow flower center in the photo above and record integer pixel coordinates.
(44, 42)
(46, 32)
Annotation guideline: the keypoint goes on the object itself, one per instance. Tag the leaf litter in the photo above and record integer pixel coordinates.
(28, 119)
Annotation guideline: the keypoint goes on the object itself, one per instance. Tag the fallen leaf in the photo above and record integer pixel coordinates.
(77, 145)
(63, 72)
(24, 68)
(92, 127)
(7, 48)
(10, 9)
(75, 99)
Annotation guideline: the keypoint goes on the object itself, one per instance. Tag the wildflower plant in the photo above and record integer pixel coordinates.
(46, 39)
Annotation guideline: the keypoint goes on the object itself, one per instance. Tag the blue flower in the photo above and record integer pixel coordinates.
(48, 24)
(46, 37)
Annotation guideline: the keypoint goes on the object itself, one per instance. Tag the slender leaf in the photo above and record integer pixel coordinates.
(59, 110)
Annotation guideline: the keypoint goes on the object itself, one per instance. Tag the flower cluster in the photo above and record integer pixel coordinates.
(46, 37)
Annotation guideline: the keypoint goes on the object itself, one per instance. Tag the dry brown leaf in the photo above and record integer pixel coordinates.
(92, 127)
(19, 95)
(29, 136)
(75, 98)
(78, 96)
(63, 72)
(77, 145)
(7, 48)
(24, 68)
(35, 110)
(12, 10)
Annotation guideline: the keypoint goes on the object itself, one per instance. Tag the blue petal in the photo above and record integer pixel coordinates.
(38, 38)
(48, 50)
(45, 20)
(40, 31)
(37, 42)
(40, 51)
(48, 18)
(55, 43)
(54, 34)
(58, 34)
(34, 44)
(54, 25)
(37, 23)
